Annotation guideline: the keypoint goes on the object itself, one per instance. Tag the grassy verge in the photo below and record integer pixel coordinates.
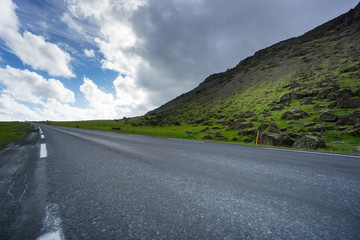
(193, 132)
(12, 131)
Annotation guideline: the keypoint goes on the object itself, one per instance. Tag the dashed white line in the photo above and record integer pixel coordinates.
(42, 136)
(52, 229)
(43, 151)
(320, 153)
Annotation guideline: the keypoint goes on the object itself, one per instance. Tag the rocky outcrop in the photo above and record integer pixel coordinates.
(294, 115)
(316, 128)
(328, 116)
(247, 132)
(356, 149)
(355, 132)
(241, 125)
(269, 134)
(276, 139)
(350, 119)
(268, 127)
(348, 103)
(311, 142)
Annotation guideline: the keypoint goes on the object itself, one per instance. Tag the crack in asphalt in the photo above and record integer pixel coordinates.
(11, 186)
(26, 188)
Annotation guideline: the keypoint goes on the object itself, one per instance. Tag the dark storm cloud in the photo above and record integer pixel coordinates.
(184, 41)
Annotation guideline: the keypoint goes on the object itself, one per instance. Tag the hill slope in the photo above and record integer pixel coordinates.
(303, 92)
(316, 74)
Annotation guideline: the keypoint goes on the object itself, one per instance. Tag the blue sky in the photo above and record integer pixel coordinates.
(106, 59)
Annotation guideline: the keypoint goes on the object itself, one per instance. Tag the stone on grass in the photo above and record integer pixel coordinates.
(356, 149)
(332, 105)
(310, 124)
(247, 132)
(355, 132)
(207, 137)
(328, 116)
(342, 128)
(294, 115)
(308, 101)
(346, 120)
(276, 139)
(294, 135)
(316, 128)
(311, 142)
(241, 125)
(348, 103)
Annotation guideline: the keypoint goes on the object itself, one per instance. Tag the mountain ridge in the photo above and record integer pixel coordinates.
(338, 24)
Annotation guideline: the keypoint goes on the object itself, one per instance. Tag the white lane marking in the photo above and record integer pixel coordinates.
(52, 229)
(185, 140)
(320, 153)
(42, 136)
(43, 151)
(40, 130)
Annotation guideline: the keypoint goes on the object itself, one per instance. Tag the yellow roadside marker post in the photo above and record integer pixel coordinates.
(257, 137)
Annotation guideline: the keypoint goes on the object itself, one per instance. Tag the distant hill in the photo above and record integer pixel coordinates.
(309, 85)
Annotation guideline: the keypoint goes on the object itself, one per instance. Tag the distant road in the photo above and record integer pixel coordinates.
(84, 184)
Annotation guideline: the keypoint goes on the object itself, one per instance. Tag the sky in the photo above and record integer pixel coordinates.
(109, 59)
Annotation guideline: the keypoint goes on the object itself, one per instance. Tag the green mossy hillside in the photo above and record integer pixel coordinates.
(307, 88)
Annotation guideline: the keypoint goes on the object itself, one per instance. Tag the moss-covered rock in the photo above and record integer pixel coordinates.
(247, 132)
(294, 115)
(356, 149)
(311, 142)
(276, 139)
(328, 116)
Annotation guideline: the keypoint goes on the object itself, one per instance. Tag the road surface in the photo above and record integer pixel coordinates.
(62, 183)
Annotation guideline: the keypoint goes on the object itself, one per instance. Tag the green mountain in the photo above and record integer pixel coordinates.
(300, 92)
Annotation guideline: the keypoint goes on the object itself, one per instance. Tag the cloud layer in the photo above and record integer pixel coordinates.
(32, 49)
(158, 50)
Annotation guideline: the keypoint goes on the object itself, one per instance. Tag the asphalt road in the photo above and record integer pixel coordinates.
(82, 184)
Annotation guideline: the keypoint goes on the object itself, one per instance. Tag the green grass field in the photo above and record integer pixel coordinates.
(12, 131)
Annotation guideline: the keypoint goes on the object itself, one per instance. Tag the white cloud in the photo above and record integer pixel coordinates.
(95, 97)
(8, 19)
(32, 49)
(89, 53)
(10, 110)
(28, 86)
(118, 43)
(105, 105)
(128, 93)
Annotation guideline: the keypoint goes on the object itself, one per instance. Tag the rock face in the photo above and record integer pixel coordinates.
(356, 149)
(348, 103)
(349, 119)
(247, 132)
(311, 142)
(316, 128)
(285, 99)
(355, 132)
(294, 115)
(241, 125)
(276, 139)
(328, 116)
(269, 134)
